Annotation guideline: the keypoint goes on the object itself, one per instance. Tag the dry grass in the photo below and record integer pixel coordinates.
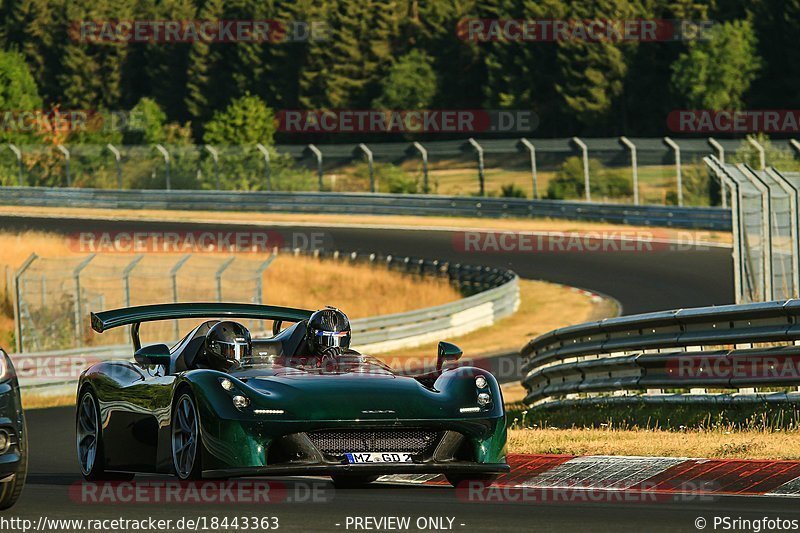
(543, 306)
(308, 283)
(536, 224)
(290, 281)
(716, 443)
(34, 400)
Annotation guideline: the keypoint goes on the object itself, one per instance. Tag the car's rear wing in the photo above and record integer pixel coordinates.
(115, 318)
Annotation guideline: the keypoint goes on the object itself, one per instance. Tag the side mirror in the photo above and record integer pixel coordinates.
(448, 352)
(155, 354)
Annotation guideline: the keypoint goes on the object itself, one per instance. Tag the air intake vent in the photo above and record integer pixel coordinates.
(336, 442)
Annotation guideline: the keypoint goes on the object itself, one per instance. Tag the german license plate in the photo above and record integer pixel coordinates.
(378, 457)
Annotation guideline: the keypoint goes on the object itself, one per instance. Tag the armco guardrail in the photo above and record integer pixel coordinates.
(710, 218)
(492, 293)
(675, 351)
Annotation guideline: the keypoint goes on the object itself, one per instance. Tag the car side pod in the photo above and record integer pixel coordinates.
(13, 436)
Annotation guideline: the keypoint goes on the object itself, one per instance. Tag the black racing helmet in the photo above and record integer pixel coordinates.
(328, 328)
(228, 344)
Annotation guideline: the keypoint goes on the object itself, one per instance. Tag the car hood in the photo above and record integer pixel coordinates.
(378, 394)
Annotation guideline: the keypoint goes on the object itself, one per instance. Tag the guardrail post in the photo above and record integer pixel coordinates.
(267, 170)
(173, 274)
(214, 157)
(721, 156)
(762, 156)
(318, 154)
(368, 153)
(479, 151)
(117, 159)
(165, 153)
(534, 178)
(677, 150)
(76, 277)
(424, 153)
(18, 154)
(64, 151)
(634, 168)
(18, 299)
(585, 155)
(218, 276)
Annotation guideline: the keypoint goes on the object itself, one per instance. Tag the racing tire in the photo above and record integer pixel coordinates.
(186, 441)
(89, 436)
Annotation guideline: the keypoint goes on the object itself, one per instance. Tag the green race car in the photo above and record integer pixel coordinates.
(354, 420)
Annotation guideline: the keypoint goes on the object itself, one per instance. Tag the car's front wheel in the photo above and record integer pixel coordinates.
(458, 479)
(90, 441)
(186, 440)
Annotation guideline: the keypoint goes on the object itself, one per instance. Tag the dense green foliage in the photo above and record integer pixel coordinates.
(407, 54)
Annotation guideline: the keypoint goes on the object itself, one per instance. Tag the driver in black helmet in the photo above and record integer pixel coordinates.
(227, 346)
(327, 336)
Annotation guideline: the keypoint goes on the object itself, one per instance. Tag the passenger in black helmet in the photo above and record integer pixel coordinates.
(227, 346)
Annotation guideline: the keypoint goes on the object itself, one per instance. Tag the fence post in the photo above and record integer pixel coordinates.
(736, 227)
(677, 149)
(18, 299)
(76, 277)
(585, 154)
(218, 276)
(535, 179)
(64, 151)
(634, 168)
(368, 153)
(766, 235)
(721, 156)
(117, 158)
(318, 155)
(267, 178)
(173, 273)
(762, 156)
(215, 157)
(18, 154)
(479, 151)
(424, 153)
(126, 273)
(794, 228)
(165, 153)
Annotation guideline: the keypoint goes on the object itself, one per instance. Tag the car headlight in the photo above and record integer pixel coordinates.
(226, 384)
(484, 399)
(240, 402)
(481, 382)
(5, 441)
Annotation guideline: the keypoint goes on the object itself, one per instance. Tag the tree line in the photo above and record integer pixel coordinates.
(395, 54)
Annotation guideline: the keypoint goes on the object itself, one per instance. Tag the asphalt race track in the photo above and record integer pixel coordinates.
(640, 281)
